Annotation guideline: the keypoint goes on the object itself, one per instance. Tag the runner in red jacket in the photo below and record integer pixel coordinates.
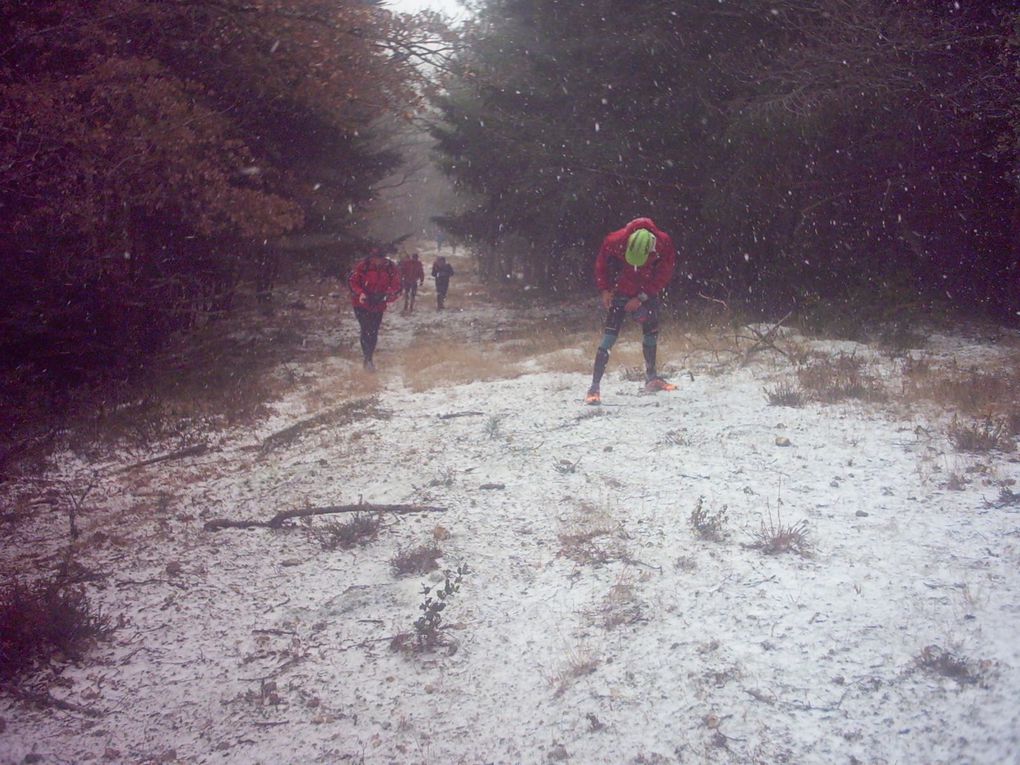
(412, 274)
(633, 267)
(374, 283)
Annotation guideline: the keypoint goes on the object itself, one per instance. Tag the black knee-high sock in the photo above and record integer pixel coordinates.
(601, 359)
(649, 353)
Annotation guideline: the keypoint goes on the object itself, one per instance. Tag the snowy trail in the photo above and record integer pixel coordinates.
(595, 625)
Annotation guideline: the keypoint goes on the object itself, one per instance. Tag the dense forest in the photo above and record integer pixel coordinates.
(840, 155)
(153, 155)
(834, 155)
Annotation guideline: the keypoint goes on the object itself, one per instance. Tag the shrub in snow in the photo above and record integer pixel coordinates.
(416, 560)
(428, 628)
(940, 661)
(838, 378)
(708, 524)
(784, 394)
(775, 537)
(984, 437)
(40, 620)
(357, 532)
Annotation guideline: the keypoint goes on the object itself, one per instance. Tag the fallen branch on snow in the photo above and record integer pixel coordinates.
(451, 415)
(1006, 499)
(191, 451)
(47, 699)
(765, 341)
(277, 520)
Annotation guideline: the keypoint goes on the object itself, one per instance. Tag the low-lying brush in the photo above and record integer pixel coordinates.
(970, 393)
(620, 607)
(940, 661)
(900, 337)
(784, 393)
(677, 437)
(841, 377)
(708, 524)
(494, 427)
(40, 620)
(580, 663)
(986, 436)
(593, 537)
(356, 532)
(416, 560)
(775, 537)
(428, 628)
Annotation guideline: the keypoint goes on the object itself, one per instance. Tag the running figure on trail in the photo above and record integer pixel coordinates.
(374, 283)
(412, 273)
(633, 267)
(441, 272)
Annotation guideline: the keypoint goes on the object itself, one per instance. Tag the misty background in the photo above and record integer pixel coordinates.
(165, 165)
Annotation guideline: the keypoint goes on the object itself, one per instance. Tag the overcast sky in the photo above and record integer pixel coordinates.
(450, 8)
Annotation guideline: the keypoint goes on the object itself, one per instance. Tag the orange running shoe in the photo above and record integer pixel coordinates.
(657, 384)
(594, 397)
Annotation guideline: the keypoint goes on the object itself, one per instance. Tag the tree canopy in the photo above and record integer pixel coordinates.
(794, 150)
(152, 152)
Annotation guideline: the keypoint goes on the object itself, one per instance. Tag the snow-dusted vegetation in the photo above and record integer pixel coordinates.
(808, 553)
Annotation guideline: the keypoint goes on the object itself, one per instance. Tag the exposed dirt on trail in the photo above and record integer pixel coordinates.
(695, 576)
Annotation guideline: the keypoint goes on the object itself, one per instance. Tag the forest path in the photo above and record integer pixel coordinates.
(600, 622)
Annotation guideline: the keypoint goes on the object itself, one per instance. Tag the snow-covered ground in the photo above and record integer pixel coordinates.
(595, 625)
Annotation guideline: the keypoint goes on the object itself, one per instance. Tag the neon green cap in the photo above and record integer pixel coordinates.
(639, 245)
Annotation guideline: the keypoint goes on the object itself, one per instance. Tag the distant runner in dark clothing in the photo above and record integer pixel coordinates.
(441, 272)
(412, 273)
(633, 266)
(374, 283)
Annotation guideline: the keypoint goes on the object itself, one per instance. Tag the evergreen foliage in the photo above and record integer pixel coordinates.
(797, 152)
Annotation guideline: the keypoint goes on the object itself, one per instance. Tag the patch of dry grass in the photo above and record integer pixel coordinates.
(784, 393)
(333, 387)
(978, 438)
(356, 532)
(427, 366)
(709, 524)
(592, 538)
(579, 662)
(541, 340)
(974, 393)
(831, 379)
(345, 414)
(621, 606)
(774, 537)
(225, 374)
(946, 663)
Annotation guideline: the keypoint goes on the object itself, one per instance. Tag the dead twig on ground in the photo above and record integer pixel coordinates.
(1007, 498)
(277, 520)
(189, 451)
(764, 341)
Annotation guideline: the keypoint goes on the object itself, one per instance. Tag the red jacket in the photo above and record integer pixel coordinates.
(378, 282)
(614, 273)
(412, 271)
